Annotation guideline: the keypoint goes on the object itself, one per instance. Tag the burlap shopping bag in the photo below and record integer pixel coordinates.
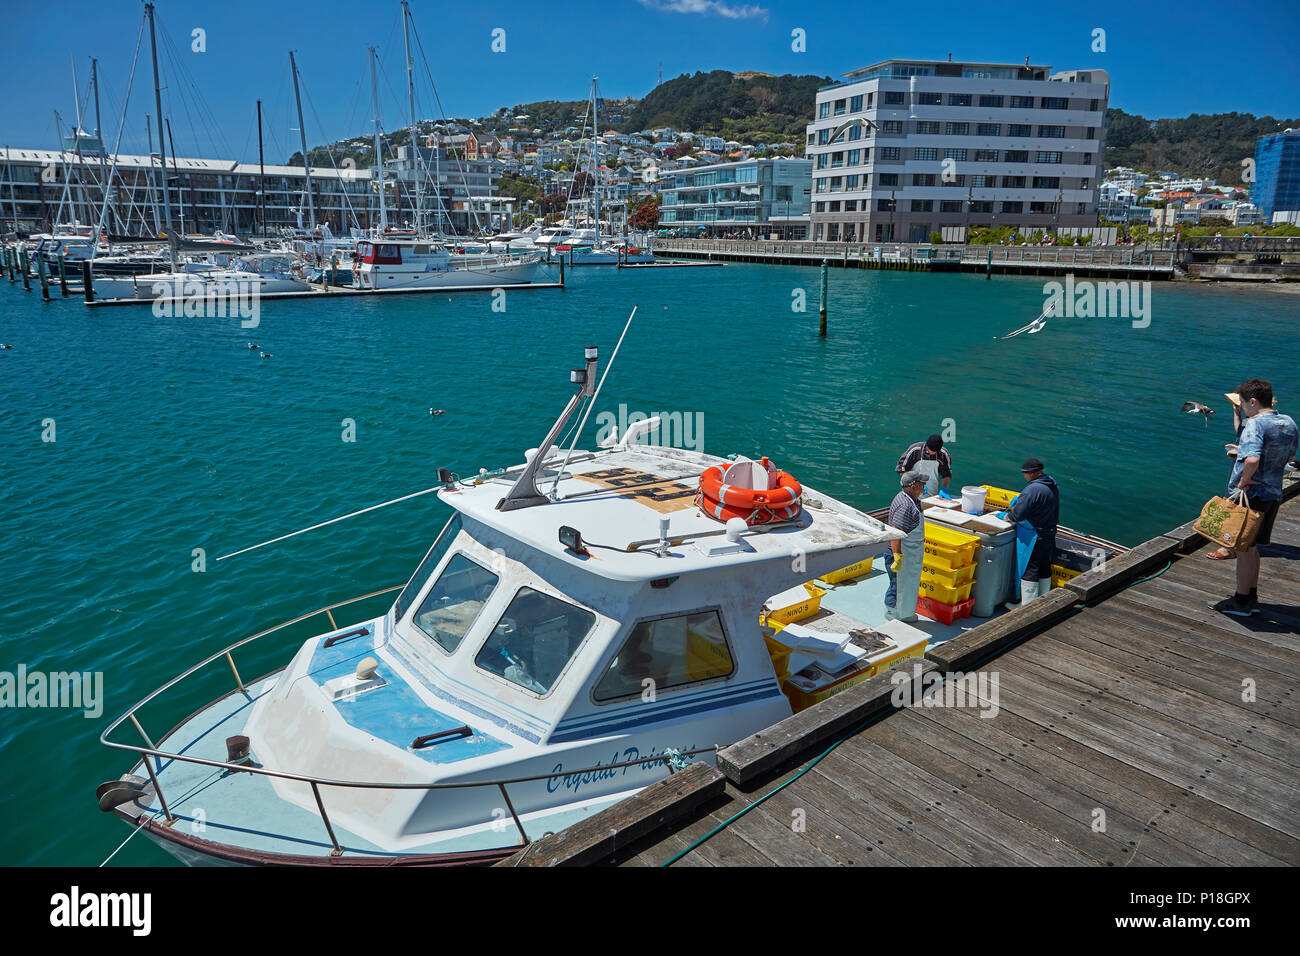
(1229, 522)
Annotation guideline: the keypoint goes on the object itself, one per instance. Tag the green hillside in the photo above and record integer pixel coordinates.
(1212, 145)
(749, 107)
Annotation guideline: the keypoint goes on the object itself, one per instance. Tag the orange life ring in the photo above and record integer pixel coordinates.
(755, 505)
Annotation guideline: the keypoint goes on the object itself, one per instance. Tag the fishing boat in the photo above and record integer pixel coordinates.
(583, 625)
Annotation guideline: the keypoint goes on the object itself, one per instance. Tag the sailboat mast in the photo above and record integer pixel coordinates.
(379, 148)
(595, 156)
(153, 193)
(302, 134)
(157, 98)
(261, 169)
(410, 95)
(99, 135)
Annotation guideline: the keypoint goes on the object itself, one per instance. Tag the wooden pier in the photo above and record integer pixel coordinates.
(1133, 726)
(1130, 262)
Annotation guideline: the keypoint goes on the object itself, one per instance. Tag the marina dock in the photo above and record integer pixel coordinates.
(1134, 725)
(1133, 262)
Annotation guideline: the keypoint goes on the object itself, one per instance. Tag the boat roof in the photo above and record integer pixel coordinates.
(615, 498)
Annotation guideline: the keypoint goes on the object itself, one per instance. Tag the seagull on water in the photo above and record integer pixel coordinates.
(1196, 408)
(266, 355)
(253, 345)
(437, 411)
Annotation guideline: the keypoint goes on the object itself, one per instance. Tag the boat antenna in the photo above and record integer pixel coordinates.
(592, 403)
(292, 534)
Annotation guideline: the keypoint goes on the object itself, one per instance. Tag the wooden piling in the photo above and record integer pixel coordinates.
(45, 282)
(334, 270)
(87, 283)
(63, 277)
(561, 268)
(27, 278)
(10, 256)
(821, 324)
(988, 268)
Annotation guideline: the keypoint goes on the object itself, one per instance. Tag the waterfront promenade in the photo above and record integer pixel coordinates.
(1125, 261)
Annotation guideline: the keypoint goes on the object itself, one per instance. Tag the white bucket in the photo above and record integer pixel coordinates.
(972, 499)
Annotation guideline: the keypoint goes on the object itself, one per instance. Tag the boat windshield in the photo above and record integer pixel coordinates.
(431, 561)
(454, 602)
(534, 640)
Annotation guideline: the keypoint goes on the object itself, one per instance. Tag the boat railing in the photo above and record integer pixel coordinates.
(150, 749)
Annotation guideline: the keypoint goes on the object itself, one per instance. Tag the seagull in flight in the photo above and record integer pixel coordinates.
(1037, 325)
(1196, 408)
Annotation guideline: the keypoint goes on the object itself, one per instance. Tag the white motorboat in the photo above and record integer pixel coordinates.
(408, 263)
(246, 276)
(578, 626)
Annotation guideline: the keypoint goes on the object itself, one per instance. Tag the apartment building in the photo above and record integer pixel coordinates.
(905, 148)
(753, 197)
(40, 188)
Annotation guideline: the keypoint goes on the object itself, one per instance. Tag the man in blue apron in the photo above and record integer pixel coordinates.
(929, 458)
(1036, 512)
(904, 560)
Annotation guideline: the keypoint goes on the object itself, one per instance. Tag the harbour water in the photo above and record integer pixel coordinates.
(172, 435)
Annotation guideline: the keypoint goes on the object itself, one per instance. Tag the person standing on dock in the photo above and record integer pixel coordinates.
(930, 458)
(1267, 442)
(1037, 510)
(904, 560)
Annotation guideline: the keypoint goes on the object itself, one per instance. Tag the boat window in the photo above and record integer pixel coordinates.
(454, 602)
(670, 651)
(431, 561)
(534, 640)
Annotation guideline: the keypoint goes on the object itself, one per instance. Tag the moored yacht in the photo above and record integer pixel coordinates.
(411, 263)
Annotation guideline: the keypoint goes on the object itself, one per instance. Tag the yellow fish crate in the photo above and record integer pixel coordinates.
(998, 498)
(944, 594)
(797, 611)
(947, 549)
(1061, 574)
(855, 570)
(948, 577)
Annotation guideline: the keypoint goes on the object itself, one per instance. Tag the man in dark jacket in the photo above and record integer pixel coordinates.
(1038, 506)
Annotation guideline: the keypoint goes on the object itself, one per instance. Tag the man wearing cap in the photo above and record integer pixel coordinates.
(1037, 509)
(931, 460)
(904, 560)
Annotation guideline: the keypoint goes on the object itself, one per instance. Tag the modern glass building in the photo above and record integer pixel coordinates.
(753, 198)
(1277, 174)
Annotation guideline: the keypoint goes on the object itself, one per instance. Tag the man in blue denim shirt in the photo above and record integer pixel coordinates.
(1267, 443)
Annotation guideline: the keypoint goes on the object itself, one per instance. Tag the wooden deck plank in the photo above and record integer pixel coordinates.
(1050, 804)
(1108, 709)
(1176, 761)
(778, 840)
(830, 836)
(1270, 738)
(1238, 643)
(1165, 802)
(1171, 672)
(976, 833)
(1215, 663)
(859, 808)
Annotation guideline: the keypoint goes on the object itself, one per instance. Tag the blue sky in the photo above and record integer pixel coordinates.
(1164, 58)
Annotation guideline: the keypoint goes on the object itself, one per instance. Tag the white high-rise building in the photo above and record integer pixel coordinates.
(906, 148)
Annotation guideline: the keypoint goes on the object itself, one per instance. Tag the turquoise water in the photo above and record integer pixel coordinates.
(172, 435)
